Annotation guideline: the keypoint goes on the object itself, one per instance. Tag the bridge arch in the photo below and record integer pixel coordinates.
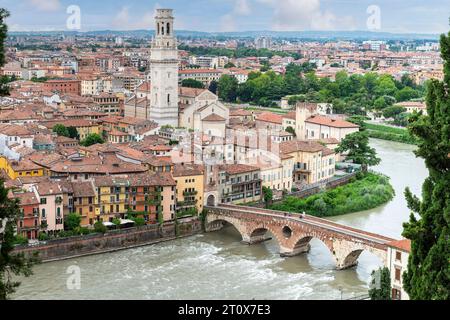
(213, 223)
(258, 234)
(302, 243)
(349, 258)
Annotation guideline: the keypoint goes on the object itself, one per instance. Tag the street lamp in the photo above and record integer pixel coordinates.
(341, 290)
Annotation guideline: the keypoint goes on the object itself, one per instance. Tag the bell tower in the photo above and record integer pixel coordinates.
(164, 70)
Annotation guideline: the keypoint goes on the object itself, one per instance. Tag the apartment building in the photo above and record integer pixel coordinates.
(50, 196)
(397, 259)
(239, 183)
(312, 162)
(190, 187)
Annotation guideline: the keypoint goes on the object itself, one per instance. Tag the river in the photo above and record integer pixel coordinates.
(217, 266)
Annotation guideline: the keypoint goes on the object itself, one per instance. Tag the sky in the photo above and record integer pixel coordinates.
(396, 16)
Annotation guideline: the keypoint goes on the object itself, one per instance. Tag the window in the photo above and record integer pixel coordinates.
(43, 214)
(397, 274)
(396, 294)
(43, 200)
(398, 256)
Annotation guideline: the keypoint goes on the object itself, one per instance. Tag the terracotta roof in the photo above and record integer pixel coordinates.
(300, 145)
(26, 198)
(95, 164)
(213, 117)
(237, 168)
(14, 130)
(239, 113)
(187, 169)
(137, 180)
(83, 189)
(190, 92)
(290, 115)
(24, 165)
(46, 188)
(415, 104)
(189, 71)
(270, 117)
(335, 123)
(404, 244)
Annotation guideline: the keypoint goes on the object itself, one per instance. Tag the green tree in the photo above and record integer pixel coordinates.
(92, 139)
(228, 86)
(100, 227)
(406, 94)
(72, 221)
(73, 133)
(428, 274)
(229, 65)
(213, 87)
(357, 147)
(268, 196)
(380, 285)
(10, 264)
(192, 83)
(391, 112)
(61, 130)
(291, 131)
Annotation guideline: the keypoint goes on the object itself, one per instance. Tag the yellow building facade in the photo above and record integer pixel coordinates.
(20, 168)
(190, 187)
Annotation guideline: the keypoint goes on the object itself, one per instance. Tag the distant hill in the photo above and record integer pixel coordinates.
(319, 35)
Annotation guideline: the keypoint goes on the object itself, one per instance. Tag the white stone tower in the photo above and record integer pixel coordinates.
(164, 71)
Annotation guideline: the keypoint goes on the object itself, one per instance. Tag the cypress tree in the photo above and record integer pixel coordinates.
(428, 271)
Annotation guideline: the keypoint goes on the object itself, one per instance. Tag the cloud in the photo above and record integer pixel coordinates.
(124, 21)
(294, 15)
(240, 8)
(46, 5)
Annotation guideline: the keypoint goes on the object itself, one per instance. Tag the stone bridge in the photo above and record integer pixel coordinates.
(293, 233)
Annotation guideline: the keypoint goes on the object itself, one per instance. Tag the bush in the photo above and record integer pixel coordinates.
(139, 221)
(72, 221)
(365, 192)
(43, 236)
(100, 227)
(20, 240)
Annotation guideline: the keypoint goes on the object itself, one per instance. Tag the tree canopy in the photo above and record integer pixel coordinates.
(428, 274)
(192, 83)
(356, 145)
(10, 264)
(91, 139)
(380, 285)
(350, 94)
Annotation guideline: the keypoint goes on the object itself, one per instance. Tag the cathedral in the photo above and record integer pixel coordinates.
(162, 100)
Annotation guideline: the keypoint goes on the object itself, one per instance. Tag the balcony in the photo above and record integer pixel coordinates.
(190, 193)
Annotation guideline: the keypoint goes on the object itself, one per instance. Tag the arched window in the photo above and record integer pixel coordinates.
(168, 28)
(157, 28)
(162, 30)
(168, 98)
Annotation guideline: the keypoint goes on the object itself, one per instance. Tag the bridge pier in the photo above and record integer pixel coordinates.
(344, 266)
(214, 226)
(289, 252)
(254, 239)
(347, 261)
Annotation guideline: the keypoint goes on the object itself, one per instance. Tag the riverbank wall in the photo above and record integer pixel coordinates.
(114, 240)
